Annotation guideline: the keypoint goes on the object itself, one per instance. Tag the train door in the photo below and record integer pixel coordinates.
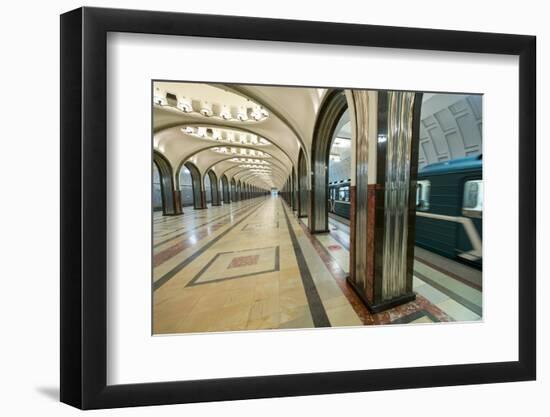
(469, 235)
(332, 192)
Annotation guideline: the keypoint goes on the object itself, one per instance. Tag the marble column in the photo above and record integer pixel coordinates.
(387, 130)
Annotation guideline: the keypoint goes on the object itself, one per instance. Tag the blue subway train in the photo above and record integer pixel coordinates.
(339, 198)
(449, 208)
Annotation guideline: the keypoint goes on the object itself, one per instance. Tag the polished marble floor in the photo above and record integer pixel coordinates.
(253, 265)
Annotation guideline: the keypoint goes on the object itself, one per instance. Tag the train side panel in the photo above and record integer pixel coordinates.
(448, 237)
(433, 234)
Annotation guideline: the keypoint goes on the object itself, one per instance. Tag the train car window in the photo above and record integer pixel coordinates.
(472, 203)
(343, 194)
(423, 195)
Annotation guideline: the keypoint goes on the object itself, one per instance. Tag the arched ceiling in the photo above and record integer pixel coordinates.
(208, 123)
(191, 119)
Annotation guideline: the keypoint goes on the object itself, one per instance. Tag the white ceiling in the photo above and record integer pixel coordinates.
(451, 127)
(291, 114)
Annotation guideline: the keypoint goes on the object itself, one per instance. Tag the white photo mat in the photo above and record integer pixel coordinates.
(135, 356)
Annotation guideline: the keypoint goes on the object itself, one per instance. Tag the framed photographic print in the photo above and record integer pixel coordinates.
(256, 208)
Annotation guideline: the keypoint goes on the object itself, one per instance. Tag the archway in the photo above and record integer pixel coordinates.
(186, 187)
(157, 191)
(293, 198)
(199, 201)
(334, 106)
(234, 190)
(214, 190)
(169, 199)
(303, 192)
(225, 190)
(339, 171)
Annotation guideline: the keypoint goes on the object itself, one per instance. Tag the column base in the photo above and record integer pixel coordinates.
(383, 305)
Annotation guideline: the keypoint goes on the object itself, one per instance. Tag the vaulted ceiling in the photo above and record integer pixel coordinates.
(255, 132)
(252, 133)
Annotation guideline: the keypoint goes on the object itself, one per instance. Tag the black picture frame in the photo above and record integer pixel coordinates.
(84, 207)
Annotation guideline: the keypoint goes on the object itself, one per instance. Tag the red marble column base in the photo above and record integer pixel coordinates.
(371, 294)
(382, 305)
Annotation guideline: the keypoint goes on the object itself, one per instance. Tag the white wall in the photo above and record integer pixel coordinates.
(30, 266)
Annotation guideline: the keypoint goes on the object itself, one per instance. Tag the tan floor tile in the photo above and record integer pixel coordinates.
(235, 316)
(266, 322)
(328, 290)
(288, 313)
(343, 316)
(333, 302)
(292, 298)
(239, 296)
(300, 322)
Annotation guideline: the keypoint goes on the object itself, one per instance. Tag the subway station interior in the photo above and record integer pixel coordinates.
(279, 207)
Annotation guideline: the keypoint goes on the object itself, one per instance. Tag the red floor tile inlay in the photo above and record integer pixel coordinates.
(243, 261)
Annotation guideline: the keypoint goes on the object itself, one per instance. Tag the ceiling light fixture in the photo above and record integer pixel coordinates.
(225, 113)
(228, 136)
(242, 114)
(259, 113)
(184, 104)
(206, 109)
(228, 106)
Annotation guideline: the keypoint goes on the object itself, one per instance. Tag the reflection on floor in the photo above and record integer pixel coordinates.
(253, 265)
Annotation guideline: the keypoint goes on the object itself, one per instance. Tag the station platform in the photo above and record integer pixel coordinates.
(450, 285)
(253, 265)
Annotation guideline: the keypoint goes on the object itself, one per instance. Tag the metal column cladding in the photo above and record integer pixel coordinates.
(361, 182)
(397, 192)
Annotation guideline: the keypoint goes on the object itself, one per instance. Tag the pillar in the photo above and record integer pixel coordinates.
(303, 183)
(387, 131)
(226, 192)
(214, 191)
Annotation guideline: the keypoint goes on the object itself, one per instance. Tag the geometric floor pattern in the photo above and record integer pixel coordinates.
(238, 264)
(252, 265)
